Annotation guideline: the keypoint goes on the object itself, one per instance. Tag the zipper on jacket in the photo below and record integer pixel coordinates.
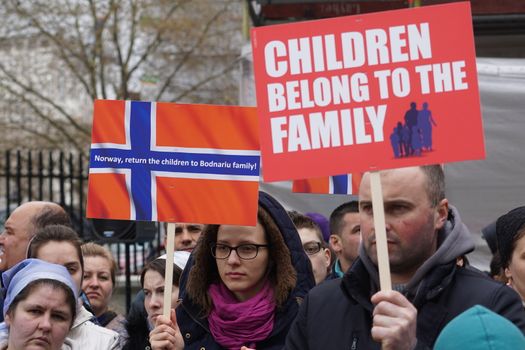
(354, 342)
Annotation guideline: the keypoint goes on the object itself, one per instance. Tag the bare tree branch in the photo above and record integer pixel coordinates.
(156, 42)
(30, 90)
(58, 125)
(68, 52)
(199, 41)
(122, 90)
(99, 23)
(205, 81)
(50, 140)
(63, 49)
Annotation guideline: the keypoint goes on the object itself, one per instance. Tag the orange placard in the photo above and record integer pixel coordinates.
(170, 162)
(338, 184)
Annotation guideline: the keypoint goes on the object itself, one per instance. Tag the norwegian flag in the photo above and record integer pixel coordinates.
(172, 162)
(339, 184)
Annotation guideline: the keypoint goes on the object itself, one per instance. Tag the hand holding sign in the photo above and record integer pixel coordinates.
(171, 162)
(362, 101)
(333, 91)
(394, 323)
(166, 334)
(356, 94)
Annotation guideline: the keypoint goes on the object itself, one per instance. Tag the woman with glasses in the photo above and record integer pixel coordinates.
(313, 245)
(243, 284)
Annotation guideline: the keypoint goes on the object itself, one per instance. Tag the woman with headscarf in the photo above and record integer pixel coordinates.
(39, 306)
(60, 245)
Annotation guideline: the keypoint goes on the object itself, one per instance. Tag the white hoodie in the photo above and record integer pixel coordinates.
(85, 335)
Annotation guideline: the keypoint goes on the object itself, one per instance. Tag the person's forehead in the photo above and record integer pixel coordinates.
(24, 212)
(152, 279)
(62, 252)
(351, 218)
(97, 262)
(20, 219)
(233, 233)
(31, 208)
(404, 182)
(186, 225)
(308, 235)
(395, 182)
(49, 296)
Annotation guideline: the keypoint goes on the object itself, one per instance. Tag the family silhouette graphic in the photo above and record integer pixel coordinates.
(415, 135)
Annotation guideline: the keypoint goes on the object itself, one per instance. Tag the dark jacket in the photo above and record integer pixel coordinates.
(138, 332)
(338, 314)
(194, 327)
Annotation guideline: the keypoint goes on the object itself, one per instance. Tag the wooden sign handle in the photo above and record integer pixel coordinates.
(380, 232)
(168, 276)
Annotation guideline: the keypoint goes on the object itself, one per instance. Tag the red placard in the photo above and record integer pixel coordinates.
(367, 92)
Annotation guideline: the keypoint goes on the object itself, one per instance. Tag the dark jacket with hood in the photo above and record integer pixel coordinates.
(338, 313)
(194, 327)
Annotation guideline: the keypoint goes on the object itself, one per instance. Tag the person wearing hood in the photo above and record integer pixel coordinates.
(243, 284)
(432, 281)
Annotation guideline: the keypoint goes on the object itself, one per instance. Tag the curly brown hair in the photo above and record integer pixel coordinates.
(204, 271)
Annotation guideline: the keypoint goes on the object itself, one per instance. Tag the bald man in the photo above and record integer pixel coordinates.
(22, 225)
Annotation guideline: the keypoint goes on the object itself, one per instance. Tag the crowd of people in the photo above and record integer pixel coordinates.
(293, 281)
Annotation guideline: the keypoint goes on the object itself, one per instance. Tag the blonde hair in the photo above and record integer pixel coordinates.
(93, 249)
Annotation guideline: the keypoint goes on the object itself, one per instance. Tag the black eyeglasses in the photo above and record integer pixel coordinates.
(312, 248)
(244, 251)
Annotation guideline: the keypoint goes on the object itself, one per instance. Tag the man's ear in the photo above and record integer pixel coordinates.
(441, 214)
(335, 243)
(7, 319)
(328, 256)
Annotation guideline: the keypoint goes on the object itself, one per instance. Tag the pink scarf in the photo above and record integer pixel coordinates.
(234, 324)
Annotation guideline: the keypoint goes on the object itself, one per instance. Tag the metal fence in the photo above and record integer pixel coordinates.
(62, 178)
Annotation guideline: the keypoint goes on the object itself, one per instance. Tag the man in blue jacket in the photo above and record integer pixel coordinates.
(432, 281)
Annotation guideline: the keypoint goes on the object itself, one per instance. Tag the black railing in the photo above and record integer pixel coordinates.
(60, 177)
(51, 176)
